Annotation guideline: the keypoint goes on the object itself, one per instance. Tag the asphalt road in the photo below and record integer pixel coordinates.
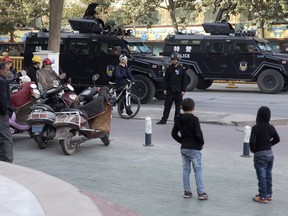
(148, 179)
(245, 99)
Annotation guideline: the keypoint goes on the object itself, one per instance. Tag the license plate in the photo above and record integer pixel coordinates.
(37, 128)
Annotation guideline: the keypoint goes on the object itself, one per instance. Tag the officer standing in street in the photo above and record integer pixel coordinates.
(6, 142)
(174, 85)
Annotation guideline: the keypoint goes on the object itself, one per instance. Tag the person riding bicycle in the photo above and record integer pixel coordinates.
(122, 73)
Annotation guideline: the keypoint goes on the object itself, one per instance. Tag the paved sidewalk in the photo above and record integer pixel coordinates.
(146, 180)
(234, 119)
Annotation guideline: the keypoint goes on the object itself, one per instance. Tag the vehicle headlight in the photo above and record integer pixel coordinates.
(55, 83)
(73, 97)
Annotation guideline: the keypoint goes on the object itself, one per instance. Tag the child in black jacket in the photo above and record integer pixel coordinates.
(191, 139)
(263, 136)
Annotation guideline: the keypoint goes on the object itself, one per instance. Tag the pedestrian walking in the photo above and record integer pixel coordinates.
(174, 85)
(263, 136)
(6, 142)
(36, 61)
(192, 141)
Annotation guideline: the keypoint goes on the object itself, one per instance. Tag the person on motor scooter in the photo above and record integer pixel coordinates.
(12, 72)
(36, 61)
(122, 73)
(46, 75)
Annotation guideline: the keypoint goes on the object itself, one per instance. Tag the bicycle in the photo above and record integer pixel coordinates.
(128, 102)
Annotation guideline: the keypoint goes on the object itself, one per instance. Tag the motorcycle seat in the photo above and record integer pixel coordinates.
(43, 106)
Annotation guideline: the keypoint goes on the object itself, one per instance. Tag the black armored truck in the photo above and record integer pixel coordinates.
(92, 48)
(229, 55)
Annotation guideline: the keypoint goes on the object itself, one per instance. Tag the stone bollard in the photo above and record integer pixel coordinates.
(246, 147)
(148, 132)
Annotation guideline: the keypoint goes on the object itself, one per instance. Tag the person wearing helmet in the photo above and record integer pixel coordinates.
(122, 73)
(46, 75)
(174, 87)
(36, 61)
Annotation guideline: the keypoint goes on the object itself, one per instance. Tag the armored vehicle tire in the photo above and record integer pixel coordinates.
(192, 80)
(144, 88)
(66, 146)
(42, 143)
(159, 95)
(204, 84)
(270, 81)
(285, 88)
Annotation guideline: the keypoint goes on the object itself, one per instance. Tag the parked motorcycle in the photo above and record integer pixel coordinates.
(42, 116)
(22, 100)
(88, 121)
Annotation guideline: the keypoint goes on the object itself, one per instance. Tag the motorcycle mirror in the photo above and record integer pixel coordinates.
(23, 72)
(70, 87)
(62, 76)
(95, 77)
(33, 86)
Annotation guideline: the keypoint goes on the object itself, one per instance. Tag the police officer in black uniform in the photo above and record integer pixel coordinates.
(175, 83)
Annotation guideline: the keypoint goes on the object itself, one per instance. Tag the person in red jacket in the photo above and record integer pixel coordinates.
(192, 141)
(263, 137)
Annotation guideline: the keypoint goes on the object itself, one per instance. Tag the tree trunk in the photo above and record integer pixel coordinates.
(172, 13)
(11, 33)
(56, 9)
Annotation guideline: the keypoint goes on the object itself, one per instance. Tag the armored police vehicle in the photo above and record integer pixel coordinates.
(94, 49)
(229, 55)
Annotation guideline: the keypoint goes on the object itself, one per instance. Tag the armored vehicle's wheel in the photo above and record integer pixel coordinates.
(144, 88)
(42, 143)
(131, 110)
(159, 95)
(66, 146)
(270, 81)
(105, 139)
(204, 84)
(285, 88)
(192, 80)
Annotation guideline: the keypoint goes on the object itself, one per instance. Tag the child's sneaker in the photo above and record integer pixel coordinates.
(269, 197)
(257, 198)
(187, 194)
(202, 196)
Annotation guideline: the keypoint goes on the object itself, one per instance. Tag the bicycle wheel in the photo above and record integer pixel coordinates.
(131, 110)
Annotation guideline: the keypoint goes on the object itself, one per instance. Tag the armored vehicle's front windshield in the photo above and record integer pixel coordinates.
(264, 47)
(139, 48)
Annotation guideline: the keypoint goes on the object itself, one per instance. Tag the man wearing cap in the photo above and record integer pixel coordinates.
(174, 85)
(36, 61)
(122, 73)
(12, 75)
